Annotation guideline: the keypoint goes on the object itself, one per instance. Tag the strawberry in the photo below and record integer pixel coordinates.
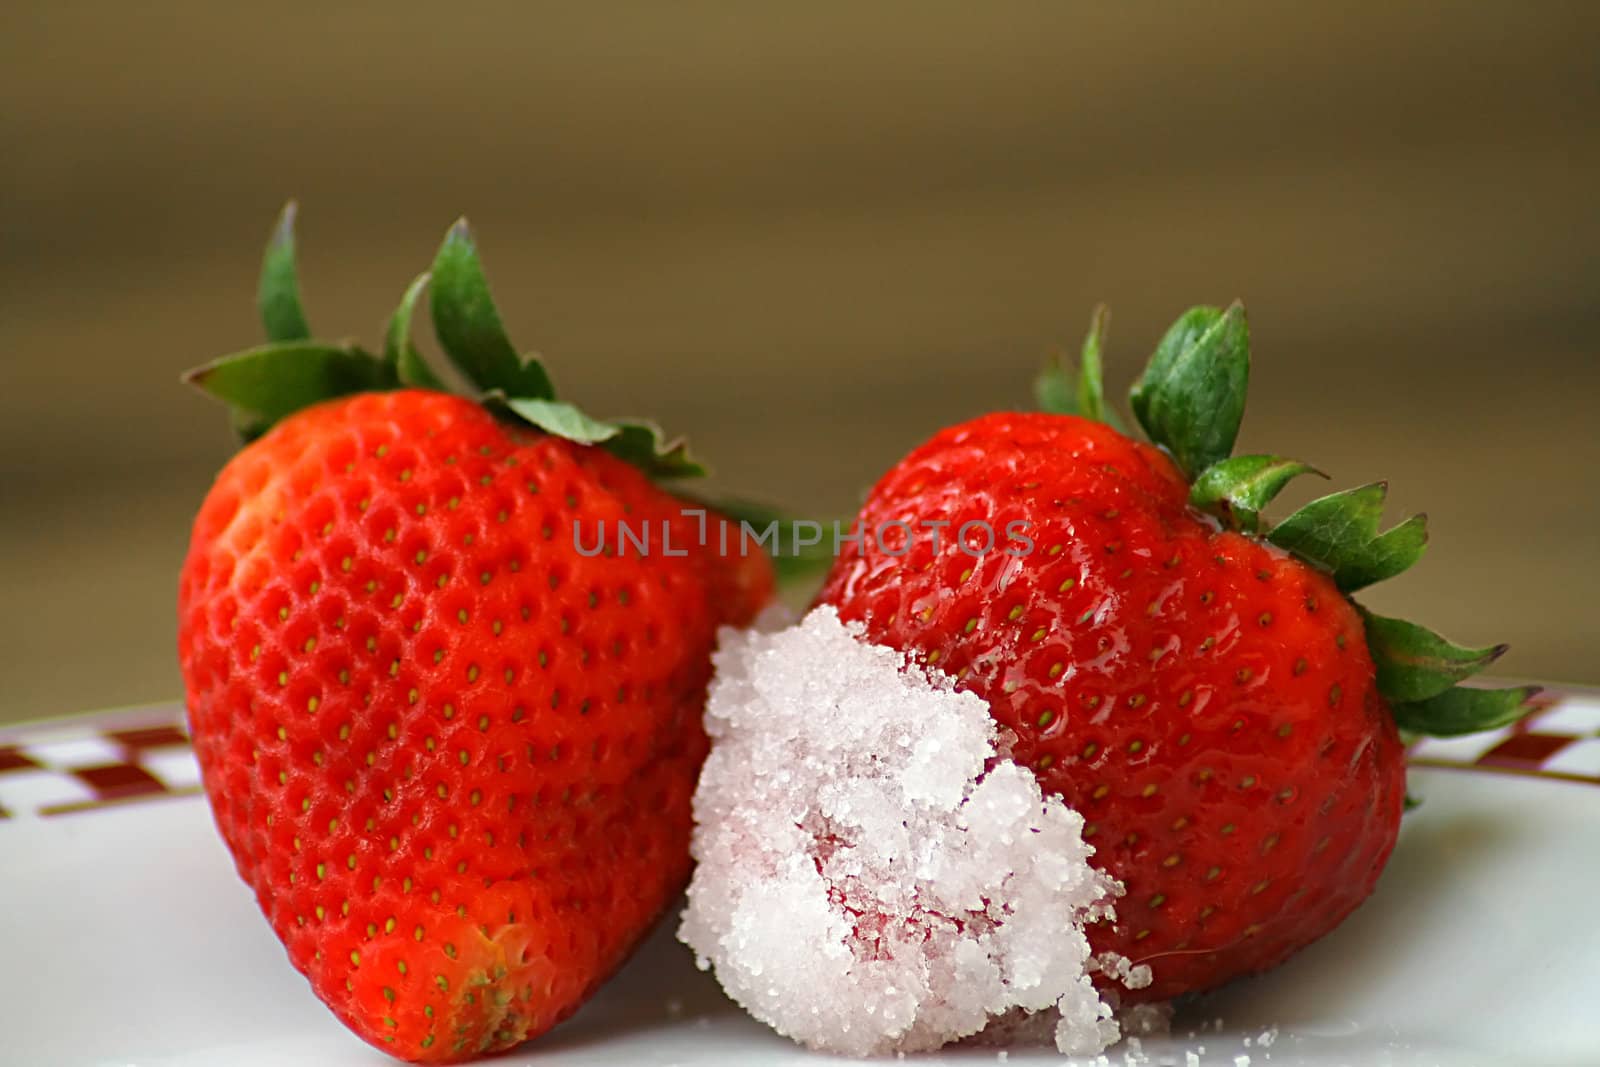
(1198, 685)
(449, 745)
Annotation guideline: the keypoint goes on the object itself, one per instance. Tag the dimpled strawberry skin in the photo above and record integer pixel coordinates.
(452, 756)
(1205, 701)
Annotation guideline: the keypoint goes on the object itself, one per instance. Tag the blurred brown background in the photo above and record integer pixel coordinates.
(811, 234)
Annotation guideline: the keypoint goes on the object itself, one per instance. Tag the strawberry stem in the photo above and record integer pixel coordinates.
(292, 371)
(264, 384)
(1190, 401)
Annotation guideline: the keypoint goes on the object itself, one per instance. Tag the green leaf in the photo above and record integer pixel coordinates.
(1091, 387)
(1340, 532)
(563, 420)
(1091, 390)
(278, 293)
(265, 384)
(1190, 327)
(1055, 394)
(1464, 711)
(398, 351)
(1191, 402)
(1414, 663)
(638, 442)
(1238, 488)
(469, 327)
(1052, 391)
(642, 443)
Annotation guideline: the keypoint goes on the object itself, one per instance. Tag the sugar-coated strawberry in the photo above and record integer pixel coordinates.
(1204, 693)
(450, 746)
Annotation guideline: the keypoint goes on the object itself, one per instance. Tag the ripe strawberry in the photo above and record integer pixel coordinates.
(451, 752)
(1206, 696)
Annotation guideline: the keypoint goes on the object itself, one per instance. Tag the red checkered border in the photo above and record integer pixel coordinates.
(94, 762)
(1560, 740)
(89, 763)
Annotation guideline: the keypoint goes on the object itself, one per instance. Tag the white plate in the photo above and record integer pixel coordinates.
(130, 942)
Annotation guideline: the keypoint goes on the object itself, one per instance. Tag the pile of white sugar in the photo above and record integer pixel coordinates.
(874, 876)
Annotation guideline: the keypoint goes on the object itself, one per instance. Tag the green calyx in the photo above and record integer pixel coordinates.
(1237, 488)
(1055, 390)
(264, 384)
(1190, 401)
(1340, 532)
(1418, 671)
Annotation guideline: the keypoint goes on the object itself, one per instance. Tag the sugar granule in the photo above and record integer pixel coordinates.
(872, 876)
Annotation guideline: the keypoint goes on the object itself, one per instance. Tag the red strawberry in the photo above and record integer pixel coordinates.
(450, 750)
(1210, 700)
